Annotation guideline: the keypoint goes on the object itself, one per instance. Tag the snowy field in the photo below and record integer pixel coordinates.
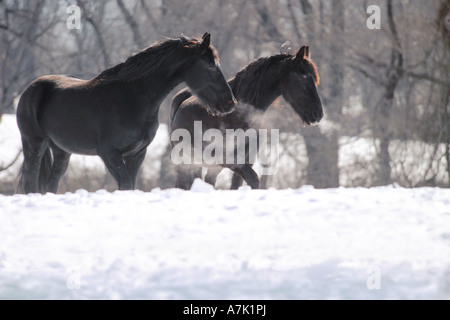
(383, 243)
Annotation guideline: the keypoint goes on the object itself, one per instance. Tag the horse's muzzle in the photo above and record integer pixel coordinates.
(230, 107)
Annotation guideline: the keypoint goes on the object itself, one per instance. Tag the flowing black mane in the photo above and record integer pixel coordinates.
(145, 62)
(247, 83)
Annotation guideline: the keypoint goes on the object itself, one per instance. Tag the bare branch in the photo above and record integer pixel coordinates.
(132, 24)
(12, 163)
(149, 15)
(98, 33)
(367, 74)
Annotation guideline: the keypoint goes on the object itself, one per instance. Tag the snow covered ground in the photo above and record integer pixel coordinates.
(383, 243)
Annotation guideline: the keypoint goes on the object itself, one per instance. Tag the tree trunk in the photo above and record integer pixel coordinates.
(443, 21)
(323, 150)
(323, 171)
(393, 77)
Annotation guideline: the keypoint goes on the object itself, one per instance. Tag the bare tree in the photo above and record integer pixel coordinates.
(388, 88)
(393, 76)
(443, 23)
(17, 57)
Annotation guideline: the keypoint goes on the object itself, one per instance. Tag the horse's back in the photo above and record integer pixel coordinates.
(51, 82)
(177, 102)
(43, 86)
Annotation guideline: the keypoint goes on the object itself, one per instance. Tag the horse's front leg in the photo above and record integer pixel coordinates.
(246, 173)
(212, 174)
(236, 181)
(115, 164)
(186, 175)
(134, 164)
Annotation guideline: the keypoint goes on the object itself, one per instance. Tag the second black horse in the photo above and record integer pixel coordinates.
(256, 87)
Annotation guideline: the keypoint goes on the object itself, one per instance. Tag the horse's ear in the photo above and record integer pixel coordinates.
(206, 42)
(308, 53)
(301, 54)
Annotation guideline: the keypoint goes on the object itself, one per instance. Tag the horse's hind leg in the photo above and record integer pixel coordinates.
(211, 176)
(248, 174)
(33, 152)
(61, 161)
(186, 176)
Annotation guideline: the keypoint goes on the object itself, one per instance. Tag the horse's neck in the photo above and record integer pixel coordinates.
(260, 94)
(156, 87)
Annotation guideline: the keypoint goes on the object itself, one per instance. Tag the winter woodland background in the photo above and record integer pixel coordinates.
(386, 92)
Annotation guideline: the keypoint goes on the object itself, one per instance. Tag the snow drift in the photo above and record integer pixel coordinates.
(383, 243)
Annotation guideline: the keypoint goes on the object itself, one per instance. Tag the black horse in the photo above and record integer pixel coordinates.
(114, 115)
(295, 77)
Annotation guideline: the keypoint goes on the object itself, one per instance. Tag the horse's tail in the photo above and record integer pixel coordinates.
(27, 120)
(176, 104)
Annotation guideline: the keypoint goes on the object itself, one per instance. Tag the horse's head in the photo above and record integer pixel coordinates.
(205, 78)
(299, 87)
